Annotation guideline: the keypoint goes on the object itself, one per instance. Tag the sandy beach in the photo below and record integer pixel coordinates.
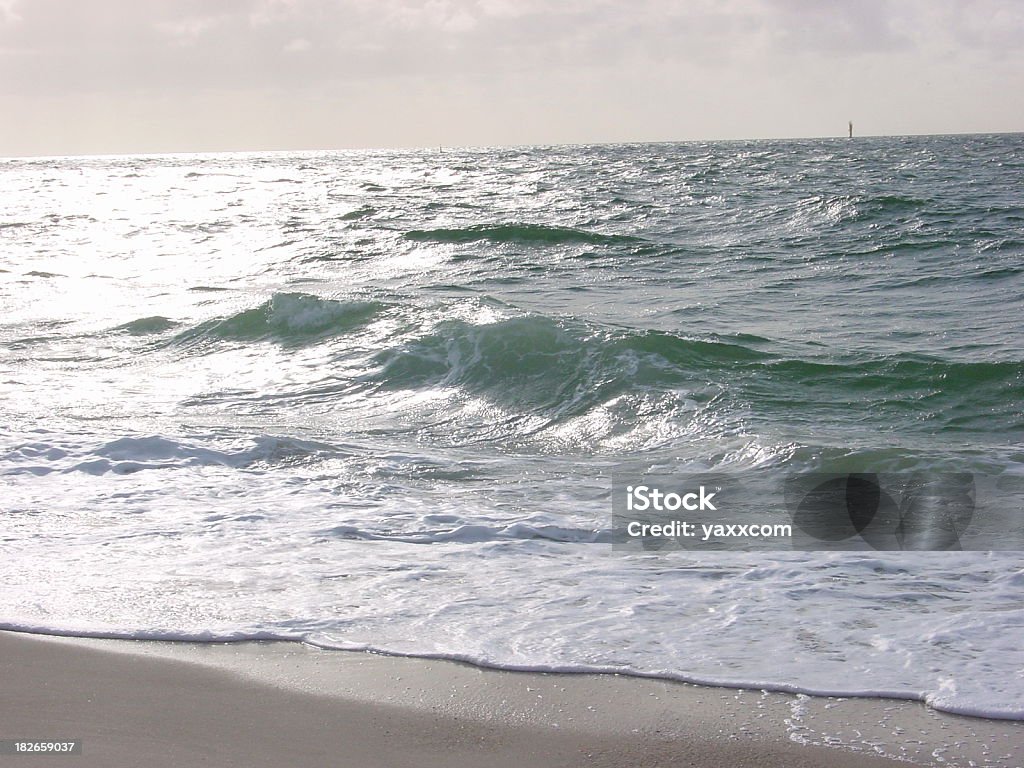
(270, 704)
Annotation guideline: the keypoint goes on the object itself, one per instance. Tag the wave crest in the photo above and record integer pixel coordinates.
(295, 318)
(519, 233)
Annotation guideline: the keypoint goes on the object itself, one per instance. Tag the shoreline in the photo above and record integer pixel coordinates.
(164, 703)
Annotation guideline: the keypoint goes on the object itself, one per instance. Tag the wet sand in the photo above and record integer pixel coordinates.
(287, 704)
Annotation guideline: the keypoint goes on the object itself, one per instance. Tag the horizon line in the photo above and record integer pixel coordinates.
(481, 147)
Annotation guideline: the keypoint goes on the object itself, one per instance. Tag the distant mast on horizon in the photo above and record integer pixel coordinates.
(851, 129)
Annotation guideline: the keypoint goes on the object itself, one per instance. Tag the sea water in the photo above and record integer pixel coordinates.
(377, 400)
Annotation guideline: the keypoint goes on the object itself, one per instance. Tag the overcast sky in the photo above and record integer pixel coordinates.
(119, 76)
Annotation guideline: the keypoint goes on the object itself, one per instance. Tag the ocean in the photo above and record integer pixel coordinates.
(381, 400)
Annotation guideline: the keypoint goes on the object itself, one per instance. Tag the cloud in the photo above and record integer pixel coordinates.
(845, 28)
(297, 45)
(647, 68)
(189, 44)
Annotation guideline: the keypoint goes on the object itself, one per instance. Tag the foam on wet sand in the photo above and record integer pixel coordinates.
(272, 704)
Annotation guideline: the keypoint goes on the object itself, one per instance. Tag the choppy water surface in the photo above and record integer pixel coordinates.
(375, 399)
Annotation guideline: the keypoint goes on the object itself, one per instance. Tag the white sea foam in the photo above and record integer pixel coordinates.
(328, 551)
